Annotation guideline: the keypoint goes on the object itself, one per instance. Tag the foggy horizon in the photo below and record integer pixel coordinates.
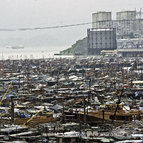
(41, 13)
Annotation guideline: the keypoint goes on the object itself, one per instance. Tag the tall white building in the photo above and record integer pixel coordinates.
(100, 16)
(126, 15)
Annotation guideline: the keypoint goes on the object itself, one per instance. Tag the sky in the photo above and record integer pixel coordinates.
(41, 13)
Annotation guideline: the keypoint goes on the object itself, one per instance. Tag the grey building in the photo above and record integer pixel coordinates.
(101, 39)
(130, 52)
(100, 16)
(127, 24)
(126, 15)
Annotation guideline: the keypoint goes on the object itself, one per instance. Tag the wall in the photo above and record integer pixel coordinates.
(101, 39)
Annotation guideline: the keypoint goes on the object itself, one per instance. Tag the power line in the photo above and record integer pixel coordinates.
(52, 27)
(44, 28)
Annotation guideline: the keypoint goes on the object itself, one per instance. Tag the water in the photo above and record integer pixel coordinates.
(30, 53)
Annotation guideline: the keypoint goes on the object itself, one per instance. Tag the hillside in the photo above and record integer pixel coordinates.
(79, 48)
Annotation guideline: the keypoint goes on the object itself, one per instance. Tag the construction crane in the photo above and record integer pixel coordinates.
(34, 116)
(5, 93)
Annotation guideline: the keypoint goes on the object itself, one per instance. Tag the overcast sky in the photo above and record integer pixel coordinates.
(37, 13)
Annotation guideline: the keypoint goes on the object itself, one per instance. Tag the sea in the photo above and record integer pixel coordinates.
(31, 53)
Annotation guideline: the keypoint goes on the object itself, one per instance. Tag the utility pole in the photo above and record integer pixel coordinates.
(117, 107)
(141, 73)
(12, 110)
(103, 115)
(58, 82)
(84, 113)
(63, 111)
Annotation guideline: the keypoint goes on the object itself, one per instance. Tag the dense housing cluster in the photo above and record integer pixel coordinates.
(71, 99)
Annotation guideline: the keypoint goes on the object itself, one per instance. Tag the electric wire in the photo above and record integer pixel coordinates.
(44, 28)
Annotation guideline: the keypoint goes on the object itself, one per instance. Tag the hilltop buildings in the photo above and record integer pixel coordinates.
(125, 32)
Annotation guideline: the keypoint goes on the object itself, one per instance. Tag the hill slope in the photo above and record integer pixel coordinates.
(79, 48)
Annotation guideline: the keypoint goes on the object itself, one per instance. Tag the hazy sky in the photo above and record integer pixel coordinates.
(37, 13)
